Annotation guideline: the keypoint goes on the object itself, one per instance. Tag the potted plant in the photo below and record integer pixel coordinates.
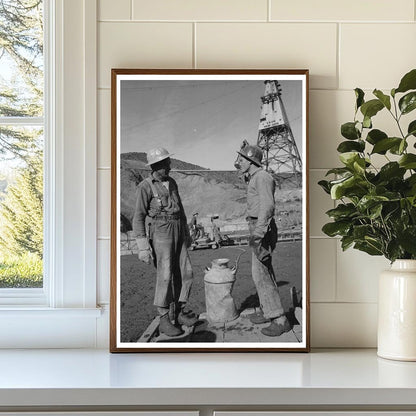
(376, 206)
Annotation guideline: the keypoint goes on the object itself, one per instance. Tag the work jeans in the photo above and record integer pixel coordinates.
(263, 273)
(174, 273)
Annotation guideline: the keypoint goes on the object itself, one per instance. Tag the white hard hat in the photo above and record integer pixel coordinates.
(156, 155)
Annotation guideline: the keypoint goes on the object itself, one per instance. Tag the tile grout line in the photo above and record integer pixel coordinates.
(336, 271)
(306, 22)
(269, 11)
(194, 62)
(131, 9)
(338, 63)
(344, 303)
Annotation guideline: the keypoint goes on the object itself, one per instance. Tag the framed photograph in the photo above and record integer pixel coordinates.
(209, 211)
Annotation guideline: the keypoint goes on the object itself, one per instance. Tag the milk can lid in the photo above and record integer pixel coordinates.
(220, 262)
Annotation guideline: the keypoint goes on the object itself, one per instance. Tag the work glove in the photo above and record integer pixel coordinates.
(144, 250)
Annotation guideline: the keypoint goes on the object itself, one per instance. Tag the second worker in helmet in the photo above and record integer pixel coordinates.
(263, 238)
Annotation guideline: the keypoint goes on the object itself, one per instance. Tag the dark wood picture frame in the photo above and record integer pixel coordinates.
(179, 103)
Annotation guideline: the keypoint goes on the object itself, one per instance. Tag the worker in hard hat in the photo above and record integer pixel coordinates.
(215, 233)
(194, 226)
(263, 238)
(165, 244)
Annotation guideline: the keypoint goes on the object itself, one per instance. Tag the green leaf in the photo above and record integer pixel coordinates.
(353, 187)
(338, 171)
(361, 231)
(349, 146)
(408, 82)
(348, 158)
(391, 170)
(393, 250)
(342, 211)
(408, 161)
(368, 248)
(346, 242)
(369, 201)
(367, 122)
(336, 228)
(398, 150)
(408, 102)
(407, 239)
(371, 108)
(349, 131)
(338, 189)
(359, 165)
(411, 180)
(359, 94)
(385, 99)
(411, 130)
(325, 186)
(374, 136)
(375, 212)
(383, 145)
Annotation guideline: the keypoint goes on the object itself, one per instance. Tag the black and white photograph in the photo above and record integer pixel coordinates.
(209, 216)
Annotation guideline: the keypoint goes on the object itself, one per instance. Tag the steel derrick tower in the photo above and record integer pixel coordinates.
(280, 154)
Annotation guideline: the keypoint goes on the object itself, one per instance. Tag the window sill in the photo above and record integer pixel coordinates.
(39, 327)
(45, 312)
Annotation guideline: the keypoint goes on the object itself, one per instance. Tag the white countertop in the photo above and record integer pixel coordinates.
(96, 377)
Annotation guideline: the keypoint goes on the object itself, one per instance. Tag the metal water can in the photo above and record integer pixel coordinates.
(219, 281)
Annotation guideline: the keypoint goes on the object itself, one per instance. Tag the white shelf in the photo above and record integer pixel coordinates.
(59, 378)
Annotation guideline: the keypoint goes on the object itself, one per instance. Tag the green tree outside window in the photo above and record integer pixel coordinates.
(21, 143)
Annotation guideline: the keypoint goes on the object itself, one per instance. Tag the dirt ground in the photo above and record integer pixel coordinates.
(138, 279)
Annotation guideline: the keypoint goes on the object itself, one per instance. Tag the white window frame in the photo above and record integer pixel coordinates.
(64, 312)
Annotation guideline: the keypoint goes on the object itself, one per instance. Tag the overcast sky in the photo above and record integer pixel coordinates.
(201, 122)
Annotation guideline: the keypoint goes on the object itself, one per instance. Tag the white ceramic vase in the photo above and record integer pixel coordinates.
(397, 312)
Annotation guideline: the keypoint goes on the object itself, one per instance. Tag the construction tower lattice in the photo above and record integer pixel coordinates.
(280, 153)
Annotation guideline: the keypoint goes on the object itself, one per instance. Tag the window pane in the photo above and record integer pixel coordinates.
(21, 208)
(21, 58)
(21, 145)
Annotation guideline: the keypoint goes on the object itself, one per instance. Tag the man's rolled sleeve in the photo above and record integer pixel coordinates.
(141, 211)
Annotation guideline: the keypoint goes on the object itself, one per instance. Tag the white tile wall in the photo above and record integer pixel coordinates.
(261, 45)
(369, 10)
(328, 109)
(104, 128)
(200, 10)
(142, 45)
(323, 269)
(376, 55)
(104, 202)
(320, 202)
(357, 275)
(339, 325)
(345, 44)
(114, 10)
(103, 271)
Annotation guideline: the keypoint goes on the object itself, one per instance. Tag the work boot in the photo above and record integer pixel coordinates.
(187, 318)
(277, 327)
(258, 318)
(166, 327)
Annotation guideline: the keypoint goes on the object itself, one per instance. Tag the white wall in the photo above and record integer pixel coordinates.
(345, 44)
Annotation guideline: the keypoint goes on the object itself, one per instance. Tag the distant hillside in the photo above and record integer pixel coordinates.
(207, 192)
(176, 163)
